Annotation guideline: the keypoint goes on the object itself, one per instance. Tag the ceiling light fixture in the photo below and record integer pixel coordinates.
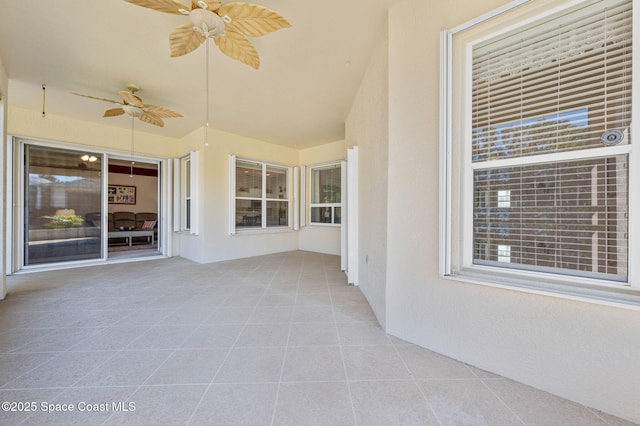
(228, 25)
(132, 105)
(205, 22)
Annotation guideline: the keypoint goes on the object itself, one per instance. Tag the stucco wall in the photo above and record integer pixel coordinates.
(367, 128)
(321, 239)
(214, 242)
(581, 351)
(4, 89)
(29, 123)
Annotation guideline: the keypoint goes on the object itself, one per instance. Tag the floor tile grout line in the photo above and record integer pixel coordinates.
(415, 382)
(115, 353)
(137, 388)
(233, 345)
(409, 380)
(62, 390)
(286, 350)
(597, 414)
(57, 355)
(55, 392)
(124, 350)
(65, 388)
(344, 364)
(507, 406)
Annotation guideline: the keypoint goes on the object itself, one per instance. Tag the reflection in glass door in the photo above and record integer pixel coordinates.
(63, 205)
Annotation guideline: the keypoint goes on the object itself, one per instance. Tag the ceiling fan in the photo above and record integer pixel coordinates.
(227, 24)
(132, 104)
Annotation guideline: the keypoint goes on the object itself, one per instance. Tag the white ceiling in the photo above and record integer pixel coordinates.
(299, 97)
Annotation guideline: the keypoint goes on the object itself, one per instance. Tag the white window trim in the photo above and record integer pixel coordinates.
(15, 201)
(177, 169)
(292, 198)
(308, 170)
(296, 191)
(332, 206)
(452, 265)
(179, 219)
(195, 192)
(303, 196)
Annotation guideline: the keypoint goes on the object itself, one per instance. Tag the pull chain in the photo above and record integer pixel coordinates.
(44, 97)
(206, 119)
(132, 148)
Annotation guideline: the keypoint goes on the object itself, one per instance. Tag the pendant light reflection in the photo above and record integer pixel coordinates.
(44, 98)
(89, 158)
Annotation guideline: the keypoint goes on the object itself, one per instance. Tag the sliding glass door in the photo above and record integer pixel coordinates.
(62, 205)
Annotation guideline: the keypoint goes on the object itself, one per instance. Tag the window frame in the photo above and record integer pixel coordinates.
(185, 190)
(456, 185)
(291, 197)
(185, 214)
(332, 206)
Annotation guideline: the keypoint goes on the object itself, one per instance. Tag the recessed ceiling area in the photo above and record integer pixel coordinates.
(299, 97)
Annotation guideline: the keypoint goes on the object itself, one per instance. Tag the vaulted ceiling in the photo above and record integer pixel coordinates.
(299, 97)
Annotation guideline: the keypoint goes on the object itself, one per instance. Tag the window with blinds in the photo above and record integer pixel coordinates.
(550, 143)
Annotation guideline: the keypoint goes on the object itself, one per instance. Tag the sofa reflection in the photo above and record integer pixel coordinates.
(124, 222)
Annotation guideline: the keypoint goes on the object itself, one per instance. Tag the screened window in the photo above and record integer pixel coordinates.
(325, 205)
(261, 195)
(544, 142)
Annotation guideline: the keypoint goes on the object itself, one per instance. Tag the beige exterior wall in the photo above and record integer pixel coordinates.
(367, 127)
(4, 95)
(214, 242)
(321, 239)
(29, 123)
(581, 351)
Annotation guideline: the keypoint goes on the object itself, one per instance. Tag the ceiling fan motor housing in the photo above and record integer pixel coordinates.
(207, 23)
(133, 110)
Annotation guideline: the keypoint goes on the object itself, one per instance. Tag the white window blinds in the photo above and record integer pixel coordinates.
(552, 102)
(553, 86)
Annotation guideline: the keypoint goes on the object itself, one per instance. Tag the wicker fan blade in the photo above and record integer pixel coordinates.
(237, 46)
(97, 99)
(113, 112)
(213, 5)
(251, 19)
(158, 111)
(166, 6)
(130, 99)
(148, 118)
(183, 39)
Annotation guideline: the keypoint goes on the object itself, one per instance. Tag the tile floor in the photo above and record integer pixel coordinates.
(271, 340)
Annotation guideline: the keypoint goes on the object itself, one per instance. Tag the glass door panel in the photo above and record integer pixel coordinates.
(63, 205)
